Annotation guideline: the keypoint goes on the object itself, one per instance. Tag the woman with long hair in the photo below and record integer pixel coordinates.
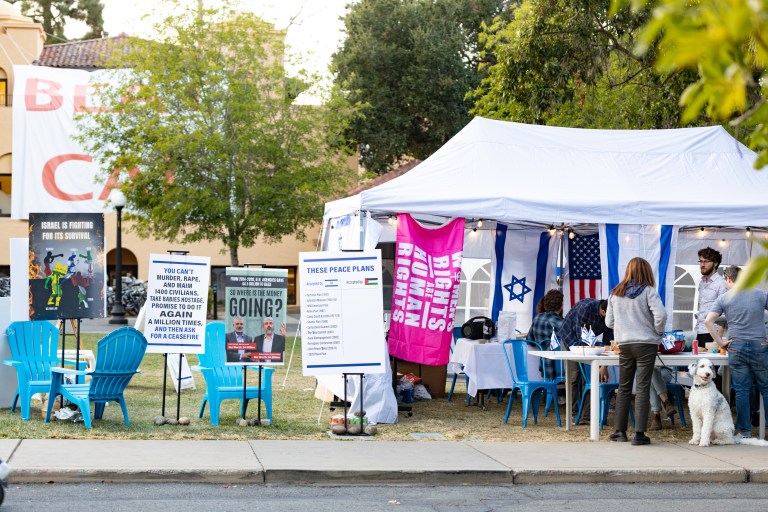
(637, 317)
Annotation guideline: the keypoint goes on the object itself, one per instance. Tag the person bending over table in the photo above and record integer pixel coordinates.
(747, 345)
(637, 315)
(588, 313)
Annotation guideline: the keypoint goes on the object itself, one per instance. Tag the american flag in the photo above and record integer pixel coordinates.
(584, 267)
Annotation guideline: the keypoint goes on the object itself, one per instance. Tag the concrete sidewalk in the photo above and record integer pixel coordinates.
(355, 462)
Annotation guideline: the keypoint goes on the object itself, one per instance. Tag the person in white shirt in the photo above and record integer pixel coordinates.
(711, 286)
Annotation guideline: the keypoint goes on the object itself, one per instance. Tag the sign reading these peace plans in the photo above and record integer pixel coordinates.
(177, 300)
(341, 312)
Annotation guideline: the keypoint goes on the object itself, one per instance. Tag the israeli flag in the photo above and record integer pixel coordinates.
(591, 338)
(656, 243)
(554, 343)
(522, 271)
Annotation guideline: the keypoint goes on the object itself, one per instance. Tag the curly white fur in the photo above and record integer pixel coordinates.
(710, 413)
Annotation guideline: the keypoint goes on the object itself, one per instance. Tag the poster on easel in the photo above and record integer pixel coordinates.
(255, 304)
(341, 307)
(66, 266)
(177, 303)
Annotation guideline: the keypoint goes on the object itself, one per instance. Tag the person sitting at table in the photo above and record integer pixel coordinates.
(590, 313)
(637, 315)
(659, 396)
(549, 317)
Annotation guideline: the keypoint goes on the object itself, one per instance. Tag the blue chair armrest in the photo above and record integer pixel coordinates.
(68, 371)
(11, 362)
(196, 368)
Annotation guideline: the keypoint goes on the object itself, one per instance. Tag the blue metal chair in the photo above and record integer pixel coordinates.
(33, 347)
(225, 382)
(606, 390)
(530, 389)
(118, 355)
(676, 390)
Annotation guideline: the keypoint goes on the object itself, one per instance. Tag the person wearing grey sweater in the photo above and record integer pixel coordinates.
(637, 317)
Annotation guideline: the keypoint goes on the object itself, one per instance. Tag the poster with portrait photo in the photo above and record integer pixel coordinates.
(66, 266)
(255, 305)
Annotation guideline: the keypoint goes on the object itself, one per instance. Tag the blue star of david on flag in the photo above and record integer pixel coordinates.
(523, 289)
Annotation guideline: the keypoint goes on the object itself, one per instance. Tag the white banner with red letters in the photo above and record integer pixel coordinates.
(51, 171)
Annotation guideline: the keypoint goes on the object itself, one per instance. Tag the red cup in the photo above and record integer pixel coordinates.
(695, 347)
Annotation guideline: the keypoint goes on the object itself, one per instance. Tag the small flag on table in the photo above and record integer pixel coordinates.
(554, 343)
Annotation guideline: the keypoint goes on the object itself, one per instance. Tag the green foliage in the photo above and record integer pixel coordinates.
(726, 42)
(566, 62)
(207, 115)
(53, 15)
(411, 63)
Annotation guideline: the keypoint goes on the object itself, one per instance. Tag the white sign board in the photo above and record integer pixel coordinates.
(341, 308)
(177, 300)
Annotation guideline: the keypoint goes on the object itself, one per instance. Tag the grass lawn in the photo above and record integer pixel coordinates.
(295, 415)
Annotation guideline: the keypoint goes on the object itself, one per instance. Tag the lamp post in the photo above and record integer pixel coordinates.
(118, 311)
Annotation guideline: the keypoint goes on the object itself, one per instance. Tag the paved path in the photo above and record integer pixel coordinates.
(358, 461)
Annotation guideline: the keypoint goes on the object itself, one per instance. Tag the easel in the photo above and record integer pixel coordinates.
(165, 366)
(245, 369)
(63, 332)
(360, 411)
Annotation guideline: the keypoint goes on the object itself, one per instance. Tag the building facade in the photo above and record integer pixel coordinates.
(22, 42)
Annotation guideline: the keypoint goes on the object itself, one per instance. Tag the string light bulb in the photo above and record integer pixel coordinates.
(552, 230)
(571, 234)
(479, 223)
(749, 232)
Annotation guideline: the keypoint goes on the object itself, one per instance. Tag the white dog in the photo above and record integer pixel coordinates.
(710, 413)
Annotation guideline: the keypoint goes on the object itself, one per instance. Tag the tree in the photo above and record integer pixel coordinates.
(53, 15)
(207, 116)
(411, 63)
(566, 62)
(726, 43)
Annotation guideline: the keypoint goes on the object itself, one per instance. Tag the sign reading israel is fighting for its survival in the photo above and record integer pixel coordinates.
(66, 266)
(177, 300)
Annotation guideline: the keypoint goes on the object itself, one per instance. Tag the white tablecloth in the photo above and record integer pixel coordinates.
(486, 366)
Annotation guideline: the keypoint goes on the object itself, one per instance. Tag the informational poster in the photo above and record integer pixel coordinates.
(341, 312)
(66, 266)
(177, 303)
(256, 300)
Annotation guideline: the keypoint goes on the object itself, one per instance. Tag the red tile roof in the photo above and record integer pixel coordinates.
(394, 173)
(89, 54)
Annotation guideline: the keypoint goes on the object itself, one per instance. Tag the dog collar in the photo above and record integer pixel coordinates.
(702, 385)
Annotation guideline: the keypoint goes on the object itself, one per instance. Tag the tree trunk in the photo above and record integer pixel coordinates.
(234, 259)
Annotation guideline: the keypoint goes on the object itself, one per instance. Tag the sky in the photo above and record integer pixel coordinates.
(313, 35)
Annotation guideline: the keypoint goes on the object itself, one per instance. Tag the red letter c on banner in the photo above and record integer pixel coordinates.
(49, 177)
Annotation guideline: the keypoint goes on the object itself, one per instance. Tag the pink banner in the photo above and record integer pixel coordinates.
(426, 290)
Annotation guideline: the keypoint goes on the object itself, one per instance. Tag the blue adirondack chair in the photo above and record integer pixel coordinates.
(33, 350)
(118, 355)
(225, 382)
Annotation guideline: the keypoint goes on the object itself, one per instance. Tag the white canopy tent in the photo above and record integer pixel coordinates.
(525, 174)
(513, 172)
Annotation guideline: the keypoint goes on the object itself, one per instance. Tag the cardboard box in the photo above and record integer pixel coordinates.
(433, 377)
